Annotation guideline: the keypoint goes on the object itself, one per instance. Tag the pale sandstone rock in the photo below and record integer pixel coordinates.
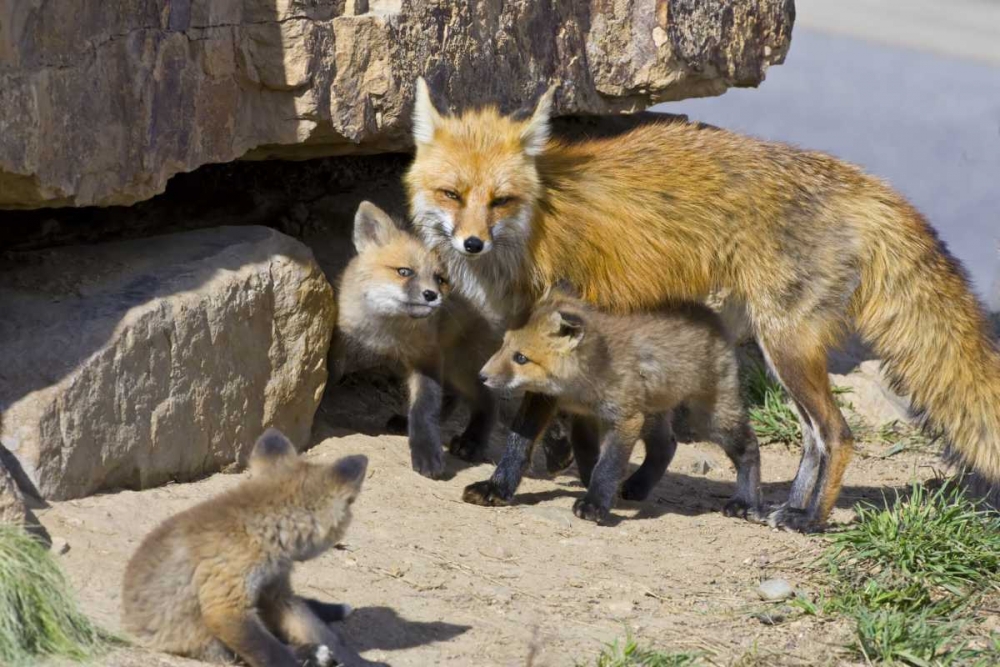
(139, 362)
(871, 396)
(101, 103)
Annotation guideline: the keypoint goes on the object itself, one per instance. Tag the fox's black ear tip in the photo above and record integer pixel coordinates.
(351, 468)
(273, 443)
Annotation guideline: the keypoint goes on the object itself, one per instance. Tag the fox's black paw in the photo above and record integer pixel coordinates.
(740, 509)
(397, 425)
(588, 510)
(467, 449)
(428, 463)
(485, 494)
(315, 655)
(793, 519)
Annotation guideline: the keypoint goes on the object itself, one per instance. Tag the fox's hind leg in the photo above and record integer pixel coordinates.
(828, 443)
(658, 436)
(558, 445)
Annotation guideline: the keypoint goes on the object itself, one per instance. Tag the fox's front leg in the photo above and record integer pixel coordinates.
(533, 416)
(424, 422)
(616, 448)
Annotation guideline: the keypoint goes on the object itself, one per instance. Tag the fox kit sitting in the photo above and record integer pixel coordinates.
(395, 302)
(214, 580)
(618, 371)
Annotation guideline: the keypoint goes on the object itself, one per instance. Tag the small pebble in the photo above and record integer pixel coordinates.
(59, 546)
(702, 467)
(775, 589)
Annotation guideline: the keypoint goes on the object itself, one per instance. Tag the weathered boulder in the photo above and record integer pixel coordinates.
(101, 103)
(871, 396)
(12, 507)
(138, 362)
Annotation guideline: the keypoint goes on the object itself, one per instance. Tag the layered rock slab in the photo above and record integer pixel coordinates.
(101, 103)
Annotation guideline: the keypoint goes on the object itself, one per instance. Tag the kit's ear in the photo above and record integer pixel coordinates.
(271, 450)
(372, 227)
(426, 118)
(568, 326)
(537, 129)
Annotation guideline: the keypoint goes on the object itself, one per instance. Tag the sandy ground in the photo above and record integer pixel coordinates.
(437, 581)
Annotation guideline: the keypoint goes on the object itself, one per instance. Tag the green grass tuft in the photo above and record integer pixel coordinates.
(38, 613)
(628, 653)
(912, 576)
(772, 418)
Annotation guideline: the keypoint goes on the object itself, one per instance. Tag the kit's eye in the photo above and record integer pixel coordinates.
(441, 280)
(451, 194)
(520, 359)
(404, 271)
(500, 201)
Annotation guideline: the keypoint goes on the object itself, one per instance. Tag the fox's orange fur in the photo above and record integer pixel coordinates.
(670, 211)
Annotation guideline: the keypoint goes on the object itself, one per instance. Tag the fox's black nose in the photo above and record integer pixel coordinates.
(483, 378)
(430, 296)
(474, 244)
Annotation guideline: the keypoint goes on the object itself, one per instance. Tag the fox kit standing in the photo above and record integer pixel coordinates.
(667, 213)
(619, 371)
(394, 302)
(214, 580)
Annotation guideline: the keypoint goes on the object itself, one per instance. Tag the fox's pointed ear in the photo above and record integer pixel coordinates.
(350, 471)
(426, 118)
(568, 326)
(272, 449)
(372, 227)
(536, 130)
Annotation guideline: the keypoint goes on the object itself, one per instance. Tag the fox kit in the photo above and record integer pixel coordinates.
(667, 213)
(394, 303)
(619, 370)
(214, 580)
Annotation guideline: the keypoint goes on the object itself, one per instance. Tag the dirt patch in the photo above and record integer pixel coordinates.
(437, 581)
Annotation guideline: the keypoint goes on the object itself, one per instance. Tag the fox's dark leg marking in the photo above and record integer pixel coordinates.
(740, 444)
(658, 436)
(558, 445)
(424, 426)
(472, 443)
(532, 417)
(399, 424)
(617, 446)
(328, 612)
(803, 373)
(585, 435)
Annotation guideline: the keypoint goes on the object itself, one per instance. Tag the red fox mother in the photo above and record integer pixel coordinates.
(668, 212)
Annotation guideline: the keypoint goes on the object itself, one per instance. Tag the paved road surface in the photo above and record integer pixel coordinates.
(926, 120)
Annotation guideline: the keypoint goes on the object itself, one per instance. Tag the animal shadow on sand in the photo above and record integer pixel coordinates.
(381, 628)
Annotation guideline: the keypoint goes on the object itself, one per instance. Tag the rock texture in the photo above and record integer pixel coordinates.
(134, 363)
(871, 396)
(101, 103)
(12, 507)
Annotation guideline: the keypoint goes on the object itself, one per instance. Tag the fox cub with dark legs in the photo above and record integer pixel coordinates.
(618, 372)
(395, 303)
(214, 582)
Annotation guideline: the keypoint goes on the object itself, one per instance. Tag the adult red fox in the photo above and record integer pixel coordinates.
(668, 212)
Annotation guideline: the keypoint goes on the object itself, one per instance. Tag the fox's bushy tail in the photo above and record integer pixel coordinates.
(915, 307)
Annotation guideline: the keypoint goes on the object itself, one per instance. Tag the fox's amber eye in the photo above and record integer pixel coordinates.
(451, 194)
(520, 359)
(500, 201)
(441, 280)
(404, 271)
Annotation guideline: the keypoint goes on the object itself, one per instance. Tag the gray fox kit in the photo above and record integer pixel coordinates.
(618, 372)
